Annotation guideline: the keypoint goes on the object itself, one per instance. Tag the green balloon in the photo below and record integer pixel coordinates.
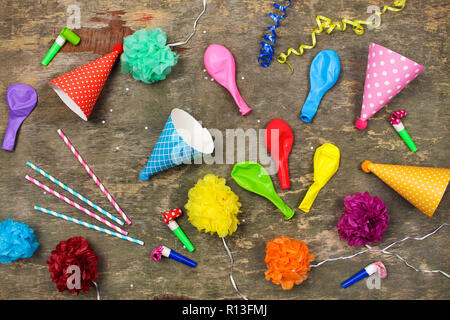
(254, 178)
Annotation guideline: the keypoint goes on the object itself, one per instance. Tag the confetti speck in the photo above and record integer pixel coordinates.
(146, 128)
(117, 148)
(131, 285)
(103, 121)
(206, 78)
(204, 31)
(212, 79)
(243, 78)
(110, 110)
(312, 148)
(258, 121)
(127, 89)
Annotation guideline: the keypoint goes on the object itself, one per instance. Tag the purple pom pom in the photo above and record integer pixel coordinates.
(364, 220)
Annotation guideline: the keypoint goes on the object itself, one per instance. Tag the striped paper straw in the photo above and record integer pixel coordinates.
(76, 194)
(76, 205)
(93, 176)
(88, 225)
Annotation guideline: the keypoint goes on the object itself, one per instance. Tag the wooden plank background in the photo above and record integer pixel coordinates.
(116, 144)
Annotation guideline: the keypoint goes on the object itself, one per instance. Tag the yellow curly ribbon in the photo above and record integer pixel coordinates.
(326, 24)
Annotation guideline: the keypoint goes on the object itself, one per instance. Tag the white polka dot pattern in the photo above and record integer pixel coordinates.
(387, 72)
(84, 84)
(423, 187)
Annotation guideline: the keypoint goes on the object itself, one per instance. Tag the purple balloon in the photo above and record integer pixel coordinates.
(21, 100)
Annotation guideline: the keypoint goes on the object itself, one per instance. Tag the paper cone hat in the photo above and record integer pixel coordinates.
(423, 187)
(80, 88)
(182, 139)
(387, 74)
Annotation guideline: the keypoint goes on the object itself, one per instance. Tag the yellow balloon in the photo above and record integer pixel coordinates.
(326, 163)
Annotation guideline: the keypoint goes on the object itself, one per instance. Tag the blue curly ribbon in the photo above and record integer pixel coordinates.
(266, 51)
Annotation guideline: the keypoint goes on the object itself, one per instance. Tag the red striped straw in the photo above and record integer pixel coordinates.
(93, 176)
(76, 205)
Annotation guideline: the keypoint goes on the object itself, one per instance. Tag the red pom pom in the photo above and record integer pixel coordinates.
(74, 251)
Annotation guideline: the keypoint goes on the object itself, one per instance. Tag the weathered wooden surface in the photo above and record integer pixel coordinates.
(116, 145)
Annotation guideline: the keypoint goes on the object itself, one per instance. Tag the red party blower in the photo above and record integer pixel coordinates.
(279, 139)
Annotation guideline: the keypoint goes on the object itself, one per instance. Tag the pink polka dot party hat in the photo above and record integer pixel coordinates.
(387, 74)
(80, 88)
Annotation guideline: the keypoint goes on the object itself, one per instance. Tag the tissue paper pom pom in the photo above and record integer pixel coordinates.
(364, 220)
(288, 261)
(17, 241)
(74, 251)
(213, 206)
(146, 56)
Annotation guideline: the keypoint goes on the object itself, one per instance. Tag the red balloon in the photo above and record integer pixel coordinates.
(282, 136)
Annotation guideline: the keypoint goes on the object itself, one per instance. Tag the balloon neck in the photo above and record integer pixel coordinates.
(310, 196)
(243, 107)
(361, 124)
(279, 203)
(9, 140)
(311, 105)
(283, 175)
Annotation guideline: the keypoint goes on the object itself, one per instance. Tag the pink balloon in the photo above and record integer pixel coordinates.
(219, 63)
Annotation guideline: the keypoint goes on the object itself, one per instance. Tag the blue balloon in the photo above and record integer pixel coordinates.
(323, 74)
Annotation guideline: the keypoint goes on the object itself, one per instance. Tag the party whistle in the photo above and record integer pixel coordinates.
(169, 218)
(366, 272)
(64, 35)
(169, 253)
(400, 128)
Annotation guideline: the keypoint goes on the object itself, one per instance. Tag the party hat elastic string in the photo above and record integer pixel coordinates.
(97, 289)
(193, 32)
(231, 270)
(326, 24)
(384, 251)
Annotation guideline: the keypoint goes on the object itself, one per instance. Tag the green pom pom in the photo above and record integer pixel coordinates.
(146, 55)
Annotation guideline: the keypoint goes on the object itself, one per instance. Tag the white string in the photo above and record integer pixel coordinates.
(193, 32)
(231, 270)
(384, 251)
(98, 291)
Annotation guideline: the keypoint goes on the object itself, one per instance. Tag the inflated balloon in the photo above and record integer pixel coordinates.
(21, 99)
(323, 74)
(280, 148)
(219, 63)
(326, 163)
(254, 178)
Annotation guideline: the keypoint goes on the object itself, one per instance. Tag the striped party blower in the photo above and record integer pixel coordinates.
(88, 225)
(76, 205)
(73, 192)
(93, 176)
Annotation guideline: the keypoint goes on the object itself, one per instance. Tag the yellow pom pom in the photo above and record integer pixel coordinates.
(213, 206)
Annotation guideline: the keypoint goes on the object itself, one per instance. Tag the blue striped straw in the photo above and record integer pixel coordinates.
(76, 194)
(88, 225)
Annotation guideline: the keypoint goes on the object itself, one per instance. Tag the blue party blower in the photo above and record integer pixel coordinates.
(323, 74)
(182, 139)
(366, 272)
(169, 253)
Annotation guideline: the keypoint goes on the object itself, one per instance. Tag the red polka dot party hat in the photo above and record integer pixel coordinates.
(423, 187)
(387, 74)
(80, 88)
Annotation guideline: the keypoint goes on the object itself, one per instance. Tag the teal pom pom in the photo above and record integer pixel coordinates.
(17, 241)
(146, 55)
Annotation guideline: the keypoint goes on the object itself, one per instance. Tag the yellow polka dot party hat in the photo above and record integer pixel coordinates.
(423, 187)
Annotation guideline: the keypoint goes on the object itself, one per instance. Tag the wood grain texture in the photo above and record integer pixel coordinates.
(27, 29)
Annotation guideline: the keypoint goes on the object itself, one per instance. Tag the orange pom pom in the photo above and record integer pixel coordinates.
(288, 261)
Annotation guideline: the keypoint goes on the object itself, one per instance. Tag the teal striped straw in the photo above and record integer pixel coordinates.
(76, 194)
(88, 225)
